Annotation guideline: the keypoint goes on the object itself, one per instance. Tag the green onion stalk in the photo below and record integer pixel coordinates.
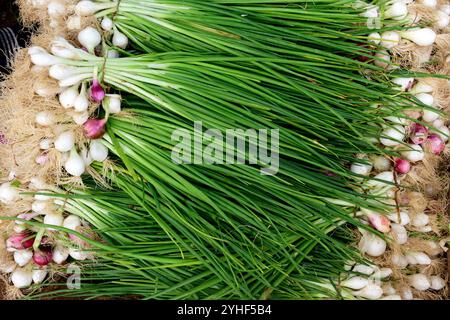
(257, 28)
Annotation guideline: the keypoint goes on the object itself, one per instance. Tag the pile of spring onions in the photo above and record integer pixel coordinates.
(214, 231)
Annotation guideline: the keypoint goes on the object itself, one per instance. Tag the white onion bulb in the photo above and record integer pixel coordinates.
(78, 254)
(399, 233)
(80, 117)
(416, 257)
(375, 37)
(361, 168)
(363, 269)
(72, 222)
(419, 282)
(420, 220)
(392, 136)
(112, 103)
(87, 8)
(445, 8)
(383, 59)
(424, 229)
(390, 39)
(107, 24)
(407, 294)
(404, 218)
(44, 59)
(422, 87)
(371, 291)
(442, 19)
(65, 141)
(98, 151)
(372, 245)
(382, 273)
(37, 183)
(413, 152)
(396, 11)
(386, 177)
(388, 289)
(39, 206)
(371, 12)
(56, 9)
(399, 261)
(438, 123)
(60, 254)
(39, 3)
(22, 257)
(429, 115)
(43, 90)
(355, 283)
(437, 283)
(45, 118)
(112, 53)
(45, 144)
(61, 71)
(39, 275)
(425, 98)
(89, 38)
(73, 23)
(53, 218)
(381, 163)
(75, 164)
(67, 96)
(119, 39)
(443, 133)
(8, 194)
(404, 83)
(21, 278)
(81, 102)
(421, 36)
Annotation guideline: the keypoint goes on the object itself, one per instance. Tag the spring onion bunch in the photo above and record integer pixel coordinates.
(286, 222)
(286, 28)
(284, 213)
(230, 92)
(169, 263)
(245, 231)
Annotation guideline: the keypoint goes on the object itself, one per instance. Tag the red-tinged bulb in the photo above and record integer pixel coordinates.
(380, 222)
(41, 159)
(3, 138)
(435, 144)
(43, 256)
(75, 239)
(419, 133)
(20, 241)
(85, 232)
(97, 92)
(402, 166)
(94, 128)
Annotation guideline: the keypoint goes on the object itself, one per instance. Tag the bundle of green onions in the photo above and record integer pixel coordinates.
(224, 231)
(171, 262)
(282, 28)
